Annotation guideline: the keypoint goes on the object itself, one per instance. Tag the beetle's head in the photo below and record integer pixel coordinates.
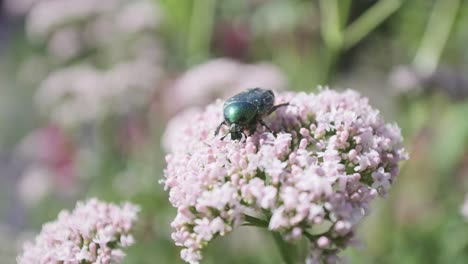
(236, 131)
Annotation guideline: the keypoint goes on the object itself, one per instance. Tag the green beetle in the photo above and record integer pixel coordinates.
(245, 110)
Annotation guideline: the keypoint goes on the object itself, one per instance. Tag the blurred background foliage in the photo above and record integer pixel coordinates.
(408, 56)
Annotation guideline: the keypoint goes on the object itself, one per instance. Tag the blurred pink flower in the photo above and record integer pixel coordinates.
(71, 95)
(71, 27)
(65, 44)
(178, 125)
(138, 16)
(94, 232)
(82, 93)
(52, 157)
(330, 156)
(51, 147)
(19, 7)
(94, 50)
(221, 78)
(35, 184)
(46, 16)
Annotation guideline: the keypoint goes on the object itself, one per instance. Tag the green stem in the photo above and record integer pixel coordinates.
(330, 60)
(313, 238)
(253, 221)
(201, 30)
(367, 22)
(331, 25)
(436, 35)
(332, 20)
(286, 250)
(344, 7)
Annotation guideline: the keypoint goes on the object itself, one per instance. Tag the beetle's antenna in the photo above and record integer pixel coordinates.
(244, 135)
(219, 127)
(263, 124)
(277, 106)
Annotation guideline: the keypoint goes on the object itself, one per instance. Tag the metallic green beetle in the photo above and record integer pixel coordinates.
(245, 110)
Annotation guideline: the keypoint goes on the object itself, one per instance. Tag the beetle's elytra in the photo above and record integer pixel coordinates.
(245, 110)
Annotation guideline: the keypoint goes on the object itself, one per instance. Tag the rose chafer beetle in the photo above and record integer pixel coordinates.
(245, 110)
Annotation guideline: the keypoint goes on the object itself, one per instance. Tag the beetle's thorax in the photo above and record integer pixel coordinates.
(240, 113)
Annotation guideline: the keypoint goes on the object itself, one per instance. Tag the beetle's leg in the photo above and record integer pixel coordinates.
(276, 107)
(252, 127)
(222, 138)
(263, 124)
(244, 135)
(219, 127)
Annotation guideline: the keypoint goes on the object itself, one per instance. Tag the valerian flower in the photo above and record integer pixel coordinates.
(330, 154)
(94, 232)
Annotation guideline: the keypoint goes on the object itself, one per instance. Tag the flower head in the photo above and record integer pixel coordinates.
(94, 232)
(330, 155)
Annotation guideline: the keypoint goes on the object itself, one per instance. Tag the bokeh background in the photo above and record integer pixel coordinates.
(88, 87)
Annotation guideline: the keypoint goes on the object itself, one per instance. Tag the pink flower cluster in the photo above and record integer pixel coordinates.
(82, 93)
(94, 232)
(330, 155)
(91, 52)
(50, 158)
(69, 28)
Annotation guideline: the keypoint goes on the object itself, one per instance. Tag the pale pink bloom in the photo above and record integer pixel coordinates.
(82, 93)
(221, 78)
(49, 145)
(65, 44)
(35, 184)
(94, 232)
(260, 75)
(330, 155)
(19, 7)
(73, 91)
(51, 157)
(137, 16)
(71, 27)
(406, 78)
(46, 16)
(323, 242)
(71, 95)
